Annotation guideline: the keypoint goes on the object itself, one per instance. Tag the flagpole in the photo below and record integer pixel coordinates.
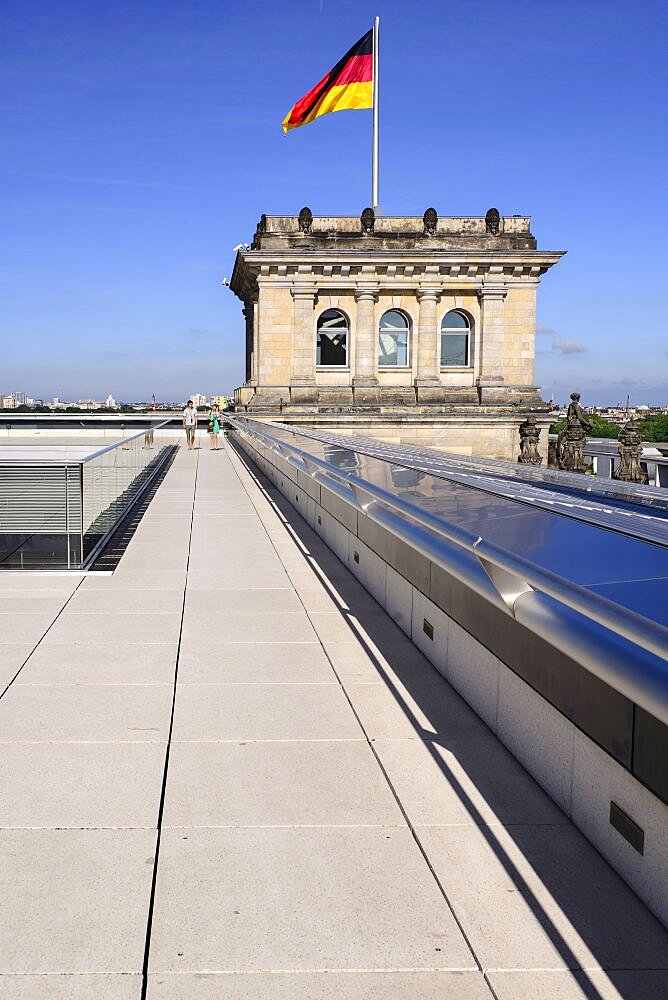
(374, 155)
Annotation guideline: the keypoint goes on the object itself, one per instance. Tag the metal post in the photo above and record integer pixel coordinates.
(374, 157)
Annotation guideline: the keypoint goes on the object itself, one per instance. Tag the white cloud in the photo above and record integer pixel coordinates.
(568, 346)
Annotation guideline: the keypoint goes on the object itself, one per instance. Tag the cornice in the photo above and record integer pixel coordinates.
(331, 270)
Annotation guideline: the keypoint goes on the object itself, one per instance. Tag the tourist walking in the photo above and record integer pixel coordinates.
(190, 423)
(213, 427)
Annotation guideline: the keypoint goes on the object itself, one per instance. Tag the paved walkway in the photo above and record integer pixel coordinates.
(225, 773)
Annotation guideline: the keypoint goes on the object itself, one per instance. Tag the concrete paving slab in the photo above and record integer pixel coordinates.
(318, 599)
(258, 663)
(145, 579)
(212, 555)
(627, 985)
(223, 510)
(423, 710)
(156, 553)
(217, 557)
(240, 577)
(115, 601)
(236, 626)
(46, 603)
(159, 558)
(79, 897)
(346, 626)
(156, 626)
(210, 712)
(277, 784)
(239, 525)
(223, 538)
(311, 571)
(468, 781)
(124, 713)
(379, 985)
(12, 657)
(216, 564)
(542, 898)
(152, 537)
(300, 899)
(250, 602)
(28, 628)
(306, 578)
(122, 986)
(150, 533)
(370, 663)
(100, 663)
(18, 582)
(80, 785)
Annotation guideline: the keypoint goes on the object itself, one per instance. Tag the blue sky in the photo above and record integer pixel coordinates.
(141, 141)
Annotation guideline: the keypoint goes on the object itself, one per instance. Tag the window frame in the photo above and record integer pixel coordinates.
(409, 338)
(456, 331)
(333, 368)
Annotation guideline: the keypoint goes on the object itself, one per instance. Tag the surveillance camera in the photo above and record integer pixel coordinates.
(238, 247)
(225, 281)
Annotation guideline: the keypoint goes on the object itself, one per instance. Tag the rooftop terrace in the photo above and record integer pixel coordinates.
(225, 771)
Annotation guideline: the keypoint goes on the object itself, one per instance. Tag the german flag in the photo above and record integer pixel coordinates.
(347, 87)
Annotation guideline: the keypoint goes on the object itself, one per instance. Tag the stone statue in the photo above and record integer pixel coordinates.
(571, 441)
(529, 434)
(305, 220)
(493, 221)
(630, 450)
(368, 220)
(430, 220)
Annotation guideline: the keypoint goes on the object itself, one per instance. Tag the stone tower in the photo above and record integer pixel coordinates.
(389, 316)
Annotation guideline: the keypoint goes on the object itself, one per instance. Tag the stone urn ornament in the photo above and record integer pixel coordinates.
(430, 222)
(368, 220)
(305, 220)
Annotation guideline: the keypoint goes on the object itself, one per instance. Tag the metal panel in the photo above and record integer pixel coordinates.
(34, 498)
(308, 485)
(650, 753)
(595, 707)
(398, 554)
(338, 508)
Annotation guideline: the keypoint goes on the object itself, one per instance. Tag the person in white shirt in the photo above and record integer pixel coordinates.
(190, 423)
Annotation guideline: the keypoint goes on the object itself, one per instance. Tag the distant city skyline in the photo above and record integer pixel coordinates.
(142, 142)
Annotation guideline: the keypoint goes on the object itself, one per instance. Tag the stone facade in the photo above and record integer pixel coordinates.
(300, 266)
(486, 270)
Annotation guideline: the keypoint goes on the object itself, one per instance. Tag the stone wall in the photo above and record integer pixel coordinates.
(299, 267)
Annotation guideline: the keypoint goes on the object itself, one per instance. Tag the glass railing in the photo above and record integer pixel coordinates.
(59, 503)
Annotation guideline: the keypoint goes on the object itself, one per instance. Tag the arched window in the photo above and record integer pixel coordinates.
(455, 339)
(332, 344)
(393, 340)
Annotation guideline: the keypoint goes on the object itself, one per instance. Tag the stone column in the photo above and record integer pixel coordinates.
(255, 323)
(249, 315)
(427, 381)
(302, 376)
(492, 327)
(365, 379)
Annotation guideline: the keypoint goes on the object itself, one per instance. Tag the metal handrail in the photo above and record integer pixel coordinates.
(550, 605)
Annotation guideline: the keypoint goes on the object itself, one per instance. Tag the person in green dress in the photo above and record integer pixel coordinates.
(213, 428)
